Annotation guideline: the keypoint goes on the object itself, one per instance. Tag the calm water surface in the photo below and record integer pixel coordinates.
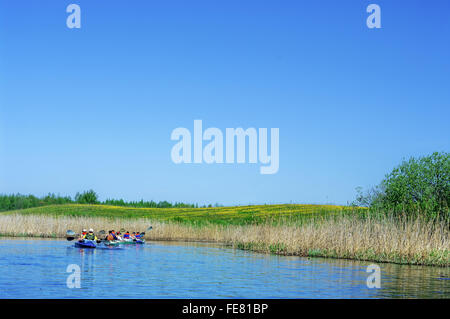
(36, 268)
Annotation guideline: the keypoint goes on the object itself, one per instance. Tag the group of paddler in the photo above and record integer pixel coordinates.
(112, 235)
(89, 239)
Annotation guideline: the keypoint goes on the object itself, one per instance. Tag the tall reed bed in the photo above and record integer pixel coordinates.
(377, 238)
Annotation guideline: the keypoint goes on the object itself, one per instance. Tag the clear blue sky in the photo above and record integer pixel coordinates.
(95, 107)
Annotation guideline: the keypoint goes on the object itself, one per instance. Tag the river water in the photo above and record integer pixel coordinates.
(37, 268)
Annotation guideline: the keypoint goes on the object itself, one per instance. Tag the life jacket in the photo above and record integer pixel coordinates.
(110, 237)
(90, 237)
(126, 236)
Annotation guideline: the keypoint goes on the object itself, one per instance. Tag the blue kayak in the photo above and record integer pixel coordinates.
(86, 244)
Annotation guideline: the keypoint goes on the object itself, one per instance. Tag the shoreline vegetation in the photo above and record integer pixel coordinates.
(297, 230)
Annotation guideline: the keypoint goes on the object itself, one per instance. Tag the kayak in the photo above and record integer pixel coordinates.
(124, 242)
(132, 242)
(111, 243)
(86, 244)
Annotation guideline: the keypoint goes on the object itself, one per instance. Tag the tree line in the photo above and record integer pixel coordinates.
(19, 201)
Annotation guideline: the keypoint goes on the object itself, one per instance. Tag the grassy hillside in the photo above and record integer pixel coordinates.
(217, 215)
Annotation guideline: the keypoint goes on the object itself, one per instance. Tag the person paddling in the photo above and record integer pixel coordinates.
(113, 233)
(126, 235)
(90, 235)
(110, 236)
(83, 234)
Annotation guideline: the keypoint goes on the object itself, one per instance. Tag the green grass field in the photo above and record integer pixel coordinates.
(237, 215)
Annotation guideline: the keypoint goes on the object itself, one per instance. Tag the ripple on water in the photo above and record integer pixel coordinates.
(36, 268)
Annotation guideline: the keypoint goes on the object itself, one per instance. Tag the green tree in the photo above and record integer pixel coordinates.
(417, 185)
(87, 197)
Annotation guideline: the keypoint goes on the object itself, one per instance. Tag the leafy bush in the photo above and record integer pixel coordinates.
(417, 185)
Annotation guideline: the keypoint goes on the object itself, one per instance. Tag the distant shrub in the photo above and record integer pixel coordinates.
(88, 197)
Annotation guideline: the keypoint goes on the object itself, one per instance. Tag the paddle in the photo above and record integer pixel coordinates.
(143, 233)
(101, 232)
(70, 235)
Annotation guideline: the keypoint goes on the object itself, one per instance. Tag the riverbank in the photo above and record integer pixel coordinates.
(381, 239)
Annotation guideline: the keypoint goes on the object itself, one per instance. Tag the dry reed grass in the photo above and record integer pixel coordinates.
(376, 239)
